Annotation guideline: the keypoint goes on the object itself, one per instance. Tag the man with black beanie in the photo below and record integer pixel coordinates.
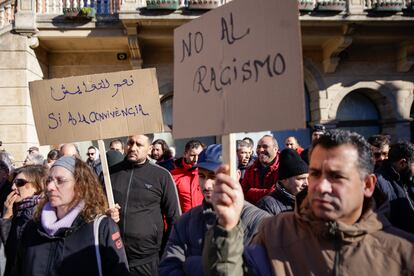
(293, 178)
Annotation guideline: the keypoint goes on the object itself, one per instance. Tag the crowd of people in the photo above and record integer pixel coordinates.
(342, 206)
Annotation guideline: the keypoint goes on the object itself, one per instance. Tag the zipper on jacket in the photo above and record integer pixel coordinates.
(127, 199)
(52, 255)
(405, 188)
(333, 231)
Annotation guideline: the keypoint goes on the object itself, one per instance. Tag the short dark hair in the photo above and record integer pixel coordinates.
(337, 137)
(401, 150)
(116, 141)
(379, 140)
(167, 154)
(193, 144)
(53, 154)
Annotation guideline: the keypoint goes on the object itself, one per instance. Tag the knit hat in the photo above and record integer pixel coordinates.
(291, 164)
(210, 158)
(68, 162)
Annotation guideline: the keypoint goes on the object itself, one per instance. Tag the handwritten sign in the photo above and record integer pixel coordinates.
(239, 68)
(96, 107)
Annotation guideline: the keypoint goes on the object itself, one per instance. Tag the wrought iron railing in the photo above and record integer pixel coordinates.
(102, 7)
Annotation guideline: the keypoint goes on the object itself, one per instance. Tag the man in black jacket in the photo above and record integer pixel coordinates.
(293, 178)
(395, 178)
(183, 252)
(146, 194)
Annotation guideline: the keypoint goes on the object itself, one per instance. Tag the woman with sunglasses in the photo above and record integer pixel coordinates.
(27, 188)
(61, 238)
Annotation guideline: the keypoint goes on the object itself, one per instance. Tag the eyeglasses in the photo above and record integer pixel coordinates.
(289, 144)
(20, 182)
(58, 180)
(90, 153)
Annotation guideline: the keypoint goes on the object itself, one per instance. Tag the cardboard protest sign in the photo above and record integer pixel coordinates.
(96, 107)
(239, 68)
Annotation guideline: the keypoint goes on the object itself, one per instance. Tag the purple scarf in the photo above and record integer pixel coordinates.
(52, 224)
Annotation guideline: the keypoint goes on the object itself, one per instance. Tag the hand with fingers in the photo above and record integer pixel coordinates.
(8, 205)
(227, 199)
(114, 212)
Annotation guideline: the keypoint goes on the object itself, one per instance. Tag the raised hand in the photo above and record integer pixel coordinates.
(8, 205)
(227, 199)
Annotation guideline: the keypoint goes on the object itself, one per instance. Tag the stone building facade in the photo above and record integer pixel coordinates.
(358, 57)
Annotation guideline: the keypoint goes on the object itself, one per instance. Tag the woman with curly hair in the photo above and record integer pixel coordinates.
(27, 189)
(61, 239)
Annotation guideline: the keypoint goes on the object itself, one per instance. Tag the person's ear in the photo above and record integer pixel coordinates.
(149, 150)
(369, 184)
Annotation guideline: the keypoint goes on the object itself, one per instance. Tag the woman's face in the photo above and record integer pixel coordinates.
(60, 188)
(22, 187)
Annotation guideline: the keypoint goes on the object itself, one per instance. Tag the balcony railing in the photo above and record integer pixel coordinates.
(112, 7)
(102, 7)
(7, 10)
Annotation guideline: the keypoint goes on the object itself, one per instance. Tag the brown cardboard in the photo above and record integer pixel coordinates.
(128, 103)
(253, 30)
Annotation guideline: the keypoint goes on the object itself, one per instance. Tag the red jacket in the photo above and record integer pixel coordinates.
(254, 187)
(186, 179)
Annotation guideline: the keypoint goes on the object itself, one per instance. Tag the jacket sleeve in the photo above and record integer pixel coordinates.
(174, 255)
(114, 260)
(5, 226)
(222, 252)
(170, 206)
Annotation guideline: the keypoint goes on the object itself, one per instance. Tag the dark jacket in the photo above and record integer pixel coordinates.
(96, 166)
(146, 194)
(71, 251)
(277, 201)
(183, 253)
(400, 196)
(11, 233)
(167, 164)
(255, 185)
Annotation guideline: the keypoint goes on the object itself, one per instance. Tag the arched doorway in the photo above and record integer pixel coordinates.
(357, 112)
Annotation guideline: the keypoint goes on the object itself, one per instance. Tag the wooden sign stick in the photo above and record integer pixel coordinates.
(229, 153)
(105, 170)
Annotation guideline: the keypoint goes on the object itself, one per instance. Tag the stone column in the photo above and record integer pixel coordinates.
(25, 18)
(19, 65)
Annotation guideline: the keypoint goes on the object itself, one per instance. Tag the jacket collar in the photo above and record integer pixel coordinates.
(372, 220)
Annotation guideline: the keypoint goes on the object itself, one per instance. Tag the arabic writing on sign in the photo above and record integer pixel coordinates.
(103, 84)
(74, 118)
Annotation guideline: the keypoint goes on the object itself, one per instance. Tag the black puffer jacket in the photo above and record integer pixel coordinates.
(71, 251)
(277, 201)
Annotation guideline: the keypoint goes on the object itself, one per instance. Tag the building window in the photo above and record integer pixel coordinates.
(358, 113)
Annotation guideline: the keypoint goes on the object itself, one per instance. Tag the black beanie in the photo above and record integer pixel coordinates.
(291, 164)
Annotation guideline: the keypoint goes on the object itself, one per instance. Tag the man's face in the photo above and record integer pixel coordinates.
(295, 184)
(316, 135)
(138, 148)
(118, 147)
(207, 180)
(191, 156)
(380, 154)
(244, 154)
(157, 152)
(291, 143)
(336, 189)
(266, 150)
(91, 154)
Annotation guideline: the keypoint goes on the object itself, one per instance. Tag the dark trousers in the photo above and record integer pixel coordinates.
(146, 269)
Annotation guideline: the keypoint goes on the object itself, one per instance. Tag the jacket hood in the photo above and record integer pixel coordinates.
(372, 220)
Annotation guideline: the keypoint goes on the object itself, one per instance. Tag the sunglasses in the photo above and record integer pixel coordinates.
(19, 182)
(90, 153)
